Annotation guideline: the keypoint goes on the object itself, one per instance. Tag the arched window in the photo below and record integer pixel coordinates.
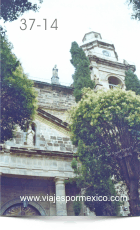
(20, 210)
(114, 82)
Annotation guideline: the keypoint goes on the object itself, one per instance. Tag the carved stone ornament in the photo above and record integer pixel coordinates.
(19, 210)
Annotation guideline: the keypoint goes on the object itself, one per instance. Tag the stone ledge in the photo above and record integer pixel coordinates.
(53, 119)
(36, 151)
(111, 63)
(53, 85)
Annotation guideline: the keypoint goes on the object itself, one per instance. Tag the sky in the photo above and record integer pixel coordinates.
(39, 50)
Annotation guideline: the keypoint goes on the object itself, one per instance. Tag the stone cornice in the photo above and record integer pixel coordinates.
(53, 86)
(36, 152)
(101, 44)
(106, 62)
(53, 119)
(98, 43)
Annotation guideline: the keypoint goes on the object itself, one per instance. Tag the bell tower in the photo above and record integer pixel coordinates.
(107, 70)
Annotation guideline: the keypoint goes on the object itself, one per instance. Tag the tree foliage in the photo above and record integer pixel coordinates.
(132, 82)
(106, 127)
(94, 176)
(81, 76)
(77, 206)
(18, 97)
(136, 8)
(12, 9)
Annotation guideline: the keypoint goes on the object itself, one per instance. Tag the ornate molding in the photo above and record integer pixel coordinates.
(106, 62)
(37, 152)
(114, 75)
(18, 201)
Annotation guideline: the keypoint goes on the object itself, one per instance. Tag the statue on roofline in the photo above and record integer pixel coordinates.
(55, 71)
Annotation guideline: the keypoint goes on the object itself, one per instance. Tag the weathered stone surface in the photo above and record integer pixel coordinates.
(55, 98)
(53, 137)
(60, 142)
(59, 138)
(62, 149)
(66, 139)
(29, 164)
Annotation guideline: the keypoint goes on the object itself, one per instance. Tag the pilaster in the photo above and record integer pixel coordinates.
(61, 209)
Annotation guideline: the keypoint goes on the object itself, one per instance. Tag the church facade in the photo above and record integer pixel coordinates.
(37, 163)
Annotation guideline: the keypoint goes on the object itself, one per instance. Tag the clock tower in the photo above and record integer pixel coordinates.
(107, 70)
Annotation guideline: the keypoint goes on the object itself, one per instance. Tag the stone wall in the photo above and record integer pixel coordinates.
(55, 100)
(54, 97)
(34, 162)
(46, 138)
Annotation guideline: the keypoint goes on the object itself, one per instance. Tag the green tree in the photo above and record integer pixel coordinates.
(81, 76)
(132, 82)
(106, 128)
(18, 97)
(12, 9)
(77, 206)
(94, 176)
(136, 8)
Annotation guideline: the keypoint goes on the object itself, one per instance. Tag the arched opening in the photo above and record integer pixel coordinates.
(20, 210)
(114, 82)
